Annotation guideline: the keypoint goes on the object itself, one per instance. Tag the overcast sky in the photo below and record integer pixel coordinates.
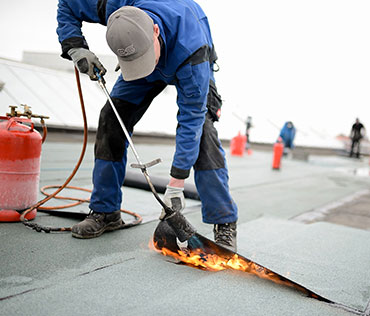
(306, 61)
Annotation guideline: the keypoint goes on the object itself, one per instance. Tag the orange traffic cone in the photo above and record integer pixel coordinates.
(278, 153)
(237, 145)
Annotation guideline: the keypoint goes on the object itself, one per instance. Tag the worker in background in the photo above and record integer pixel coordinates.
(287, 133)
(157, 43)
(357, 133)
(248, 126)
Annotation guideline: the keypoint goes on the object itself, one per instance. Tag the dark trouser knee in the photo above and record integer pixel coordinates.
(111, 141)
(210, 156)
(110, 138)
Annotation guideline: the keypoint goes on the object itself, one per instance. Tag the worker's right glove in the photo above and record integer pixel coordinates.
(173, 198)
(86, 61)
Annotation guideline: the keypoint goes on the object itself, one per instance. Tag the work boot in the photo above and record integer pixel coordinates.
(225, 235)
(97, 223)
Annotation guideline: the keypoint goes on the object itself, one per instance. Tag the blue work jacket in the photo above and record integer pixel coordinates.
(287, 133)
(186, 60)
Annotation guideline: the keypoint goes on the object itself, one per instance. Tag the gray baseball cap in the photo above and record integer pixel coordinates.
(130, 37)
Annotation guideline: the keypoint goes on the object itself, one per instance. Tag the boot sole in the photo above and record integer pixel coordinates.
(229, 247)
(109, 227)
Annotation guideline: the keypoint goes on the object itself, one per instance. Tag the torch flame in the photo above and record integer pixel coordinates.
(213, 262)
(210, 262)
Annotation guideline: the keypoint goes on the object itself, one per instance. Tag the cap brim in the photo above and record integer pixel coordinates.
(139, 67)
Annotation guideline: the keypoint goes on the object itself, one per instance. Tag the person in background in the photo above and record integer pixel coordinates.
(248, 126)
(157, 43)
(287, 133)
(357, 133)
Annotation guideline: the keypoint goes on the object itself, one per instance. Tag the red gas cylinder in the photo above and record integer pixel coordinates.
(20, 152)
(237, 145)
(278, 153)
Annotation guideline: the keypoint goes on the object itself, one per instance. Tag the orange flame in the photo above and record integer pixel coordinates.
(211, 262)
(215, 262)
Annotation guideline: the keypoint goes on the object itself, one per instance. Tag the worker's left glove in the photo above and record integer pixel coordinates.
(86, 62)
(173, 198)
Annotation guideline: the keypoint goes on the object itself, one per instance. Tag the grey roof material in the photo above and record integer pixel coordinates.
(330, 260)
(117, 273)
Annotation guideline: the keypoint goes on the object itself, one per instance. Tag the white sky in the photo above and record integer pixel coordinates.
(305, 61)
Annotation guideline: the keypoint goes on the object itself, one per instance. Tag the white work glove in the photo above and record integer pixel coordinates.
(86, 61)
(173, 198)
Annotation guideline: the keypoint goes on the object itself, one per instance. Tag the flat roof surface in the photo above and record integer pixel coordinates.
(290, 221)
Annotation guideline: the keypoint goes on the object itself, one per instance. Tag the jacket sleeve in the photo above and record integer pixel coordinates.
(192, 89)
(69, 27)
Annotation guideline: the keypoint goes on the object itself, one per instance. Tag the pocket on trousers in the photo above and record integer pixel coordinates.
(187, 83)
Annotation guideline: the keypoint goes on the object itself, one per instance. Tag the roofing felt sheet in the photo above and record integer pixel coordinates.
(116, 274)
(330, 260)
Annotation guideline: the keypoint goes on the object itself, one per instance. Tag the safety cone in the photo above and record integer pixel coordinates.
(237, 145)
(278, 153)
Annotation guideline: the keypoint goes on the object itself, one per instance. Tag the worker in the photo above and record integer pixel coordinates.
(357, 133)
(157, 43)
(248, 126)
(287, 133)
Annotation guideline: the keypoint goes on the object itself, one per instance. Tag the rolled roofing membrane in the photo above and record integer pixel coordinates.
(330, 260)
